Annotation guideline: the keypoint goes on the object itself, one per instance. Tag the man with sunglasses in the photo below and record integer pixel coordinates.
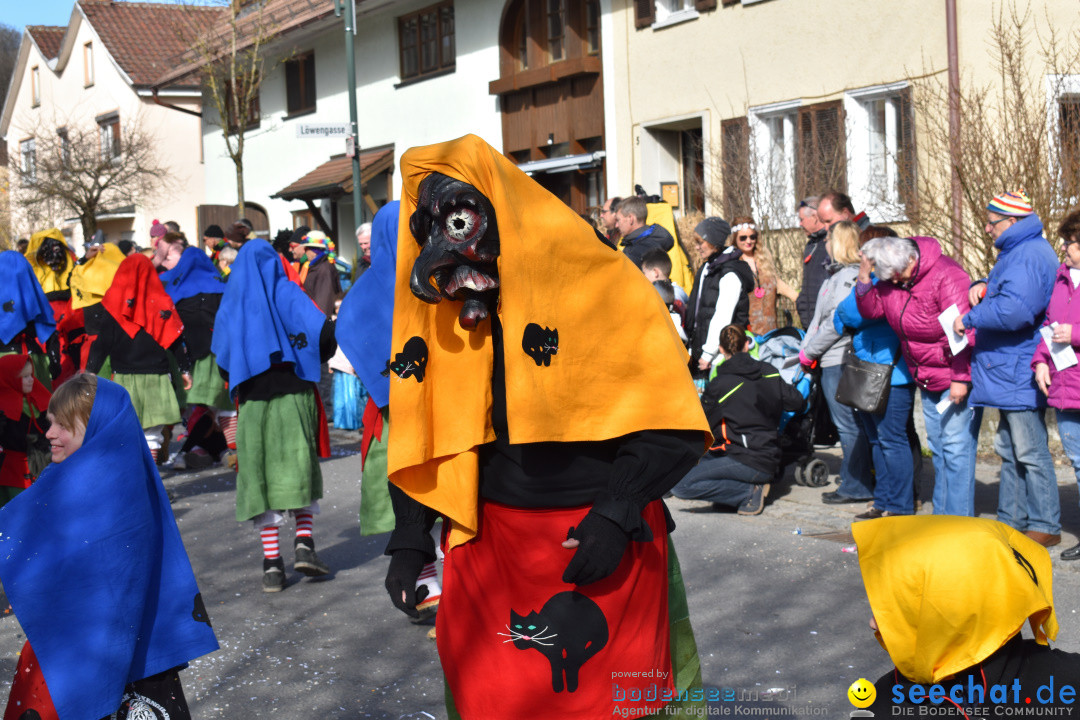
(1006, 320)
(815, 259)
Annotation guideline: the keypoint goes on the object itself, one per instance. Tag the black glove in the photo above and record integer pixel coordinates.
(602, 546)
(401, 577)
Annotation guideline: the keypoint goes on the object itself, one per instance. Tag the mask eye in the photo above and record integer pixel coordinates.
(462, 224)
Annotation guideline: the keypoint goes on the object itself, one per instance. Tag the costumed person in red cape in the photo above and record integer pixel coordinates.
(139, 330)
(363, 332)
(545, 432)
(27, 322)
(96, 572)
(269, 340)
(24, 402)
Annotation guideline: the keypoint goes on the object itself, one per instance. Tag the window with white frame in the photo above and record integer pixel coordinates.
(772, 162)
(35, 85)
(28, 155)
(672, 11)
(881, 150)
(109, 132)
(1063, 135)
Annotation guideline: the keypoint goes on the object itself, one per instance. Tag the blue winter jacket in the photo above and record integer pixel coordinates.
(1007, 321)
(874, 340)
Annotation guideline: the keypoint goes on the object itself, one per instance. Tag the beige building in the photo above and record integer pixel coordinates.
(93, 79)
(748, 106)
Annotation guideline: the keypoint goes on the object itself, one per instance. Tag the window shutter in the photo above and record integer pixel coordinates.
(735, 159)
(703, 5)
(644, 13)
(821, 155)
(906, 160)
(726, 3)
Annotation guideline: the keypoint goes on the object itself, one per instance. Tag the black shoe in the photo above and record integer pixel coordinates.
(835, 498)
(273, 579)
(306, 561)
(754, 504)
(873, 514)
(1072, 553)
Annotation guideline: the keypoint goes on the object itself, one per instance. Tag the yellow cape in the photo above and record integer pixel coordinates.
(947, 592)
(90, 281)
(50, 281)
(681, 273)
(620, 366)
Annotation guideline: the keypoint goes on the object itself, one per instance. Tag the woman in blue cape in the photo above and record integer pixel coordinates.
(364, 323)
(100, 581)
(269, 340)
(195, 287)
(27, 324)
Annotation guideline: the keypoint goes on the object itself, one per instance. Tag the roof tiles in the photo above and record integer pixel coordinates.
(48, 38)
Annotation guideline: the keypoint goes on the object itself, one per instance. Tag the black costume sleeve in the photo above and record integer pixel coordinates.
(179, 351)
(13, 432)
(647, 465)
(52, 351)
(102, 346)
(412, 527)
(327, 341)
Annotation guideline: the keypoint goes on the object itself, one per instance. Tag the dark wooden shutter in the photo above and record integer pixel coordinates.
(906, 158)
(703, 5)
(730, 2)
(735, 158)
(644, 13)
(821, 155)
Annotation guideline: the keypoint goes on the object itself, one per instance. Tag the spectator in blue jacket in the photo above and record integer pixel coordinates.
(887, 432)
(1006, 321)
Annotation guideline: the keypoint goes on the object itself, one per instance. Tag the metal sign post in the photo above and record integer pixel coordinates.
(347, 8)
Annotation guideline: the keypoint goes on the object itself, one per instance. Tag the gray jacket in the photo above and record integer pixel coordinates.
(822, 342)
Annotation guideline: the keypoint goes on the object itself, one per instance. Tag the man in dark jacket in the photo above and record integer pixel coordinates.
(321, 281)
(815, 259)
(637, 237)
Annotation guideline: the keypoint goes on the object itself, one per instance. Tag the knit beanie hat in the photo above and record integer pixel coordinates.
(214, 231)
(714, 230)
(158, 230)
(299, 233)
(1012, 204)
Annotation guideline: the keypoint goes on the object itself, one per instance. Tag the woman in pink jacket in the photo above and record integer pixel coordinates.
(1062, 387)
(918, 283)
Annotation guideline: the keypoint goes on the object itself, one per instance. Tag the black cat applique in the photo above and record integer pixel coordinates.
(9, 306)
(540, 343)
(568, 630)
(298, 341)
(198, 611)
(411, 361)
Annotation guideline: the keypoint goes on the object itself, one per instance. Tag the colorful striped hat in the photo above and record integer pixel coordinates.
(1013, 204)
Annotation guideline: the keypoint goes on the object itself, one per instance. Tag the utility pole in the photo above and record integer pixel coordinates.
(347, 9)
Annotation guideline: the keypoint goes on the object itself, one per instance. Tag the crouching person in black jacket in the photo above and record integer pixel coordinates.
(744, 404)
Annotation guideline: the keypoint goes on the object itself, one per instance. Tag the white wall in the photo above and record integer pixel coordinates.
(430, 111)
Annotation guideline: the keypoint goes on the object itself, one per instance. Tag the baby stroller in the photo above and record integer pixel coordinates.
(799, 432)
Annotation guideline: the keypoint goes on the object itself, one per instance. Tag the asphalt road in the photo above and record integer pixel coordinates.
(776, 602)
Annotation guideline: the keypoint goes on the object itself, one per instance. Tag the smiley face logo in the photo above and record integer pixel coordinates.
(862, 693)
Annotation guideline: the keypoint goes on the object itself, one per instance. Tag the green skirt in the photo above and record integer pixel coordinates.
(207, 386)
(277, 450)
(376, 512)
(153, 397)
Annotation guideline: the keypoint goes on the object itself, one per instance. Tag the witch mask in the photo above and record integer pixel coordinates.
(52, 253)
(455, 227)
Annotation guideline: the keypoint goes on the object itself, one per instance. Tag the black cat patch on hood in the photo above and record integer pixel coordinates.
(411, 361)
(540, 343)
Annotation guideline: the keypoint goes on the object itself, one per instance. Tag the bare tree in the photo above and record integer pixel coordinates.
(85, 170)
(232, 63)
(10, 38)
(1020, 131)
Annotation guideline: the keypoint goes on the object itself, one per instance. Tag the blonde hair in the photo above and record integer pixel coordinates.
(844, 242)
(72, 402)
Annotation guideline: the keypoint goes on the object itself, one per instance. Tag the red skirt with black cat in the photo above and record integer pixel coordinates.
(517, 642)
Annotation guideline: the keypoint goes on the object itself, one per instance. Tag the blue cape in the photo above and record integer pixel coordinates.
(367, 312)
(265, 318)
(22, 301)
(95, 569)
(193, 275)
